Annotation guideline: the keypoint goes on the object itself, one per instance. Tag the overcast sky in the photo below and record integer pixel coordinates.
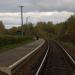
(38, 10)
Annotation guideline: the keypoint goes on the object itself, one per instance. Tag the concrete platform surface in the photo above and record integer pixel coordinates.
(10, 57)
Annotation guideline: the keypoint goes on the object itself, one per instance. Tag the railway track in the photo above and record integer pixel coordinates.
(12, 60)
(56, 61)
(50, 59)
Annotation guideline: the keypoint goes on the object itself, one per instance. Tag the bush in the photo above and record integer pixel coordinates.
(6, 40)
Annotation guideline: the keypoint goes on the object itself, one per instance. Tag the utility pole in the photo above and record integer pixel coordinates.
(27, 19)
(21, 19)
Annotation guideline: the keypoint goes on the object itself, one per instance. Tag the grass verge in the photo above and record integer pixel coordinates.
(70, 47)
(11, 46)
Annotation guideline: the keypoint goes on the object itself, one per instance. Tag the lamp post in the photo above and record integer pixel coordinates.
(21, 19)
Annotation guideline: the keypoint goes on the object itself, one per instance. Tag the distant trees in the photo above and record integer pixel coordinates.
(28, 29)
(44, 30)
(60, 28)
(2, 28)
(71, 25)
(13, 31)
(66, 30)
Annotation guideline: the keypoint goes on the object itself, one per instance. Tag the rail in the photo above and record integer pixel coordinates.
(40, 67)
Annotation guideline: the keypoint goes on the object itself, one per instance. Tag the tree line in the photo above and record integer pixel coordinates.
(41, 29)
(64, 31)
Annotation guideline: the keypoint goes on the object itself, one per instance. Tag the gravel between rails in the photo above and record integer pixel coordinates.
(57, 63)
(30, 67)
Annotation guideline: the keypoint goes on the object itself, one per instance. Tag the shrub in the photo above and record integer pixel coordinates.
(6, 40)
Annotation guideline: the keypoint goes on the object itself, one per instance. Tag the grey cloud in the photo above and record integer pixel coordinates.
(37, 5)
(13, 19)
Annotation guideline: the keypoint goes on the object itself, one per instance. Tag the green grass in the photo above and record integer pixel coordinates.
(9, 39)
(70, 46)
(67, 44)
(11, 46)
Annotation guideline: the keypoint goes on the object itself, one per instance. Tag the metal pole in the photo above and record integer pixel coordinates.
(27, 20)
(21, 19)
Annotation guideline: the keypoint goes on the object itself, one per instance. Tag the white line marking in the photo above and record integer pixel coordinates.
(8, 69)
(23, 58)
